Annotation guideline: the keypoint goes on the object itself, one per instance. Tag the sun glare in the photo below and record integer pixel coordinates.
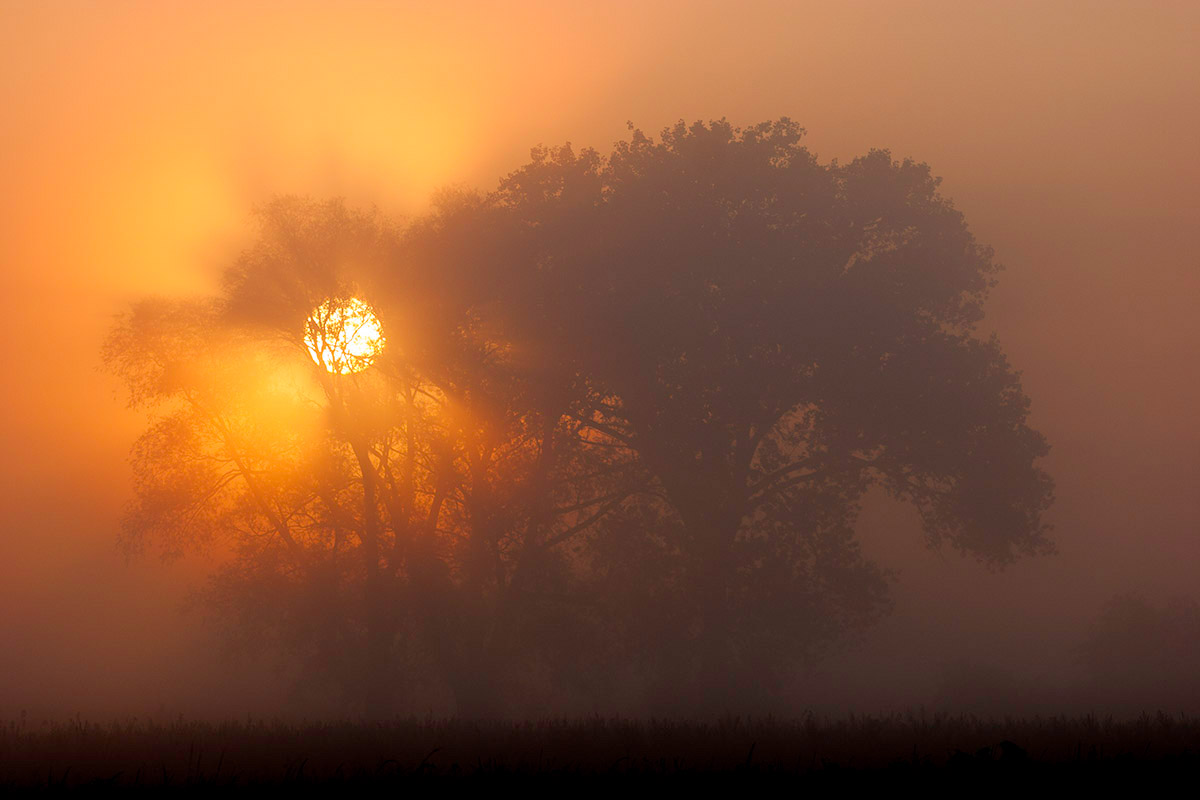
(343, 336)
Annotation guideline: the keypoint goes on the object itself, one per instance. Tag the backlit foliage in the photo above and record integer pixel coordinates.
(626, 415)
(343, 336)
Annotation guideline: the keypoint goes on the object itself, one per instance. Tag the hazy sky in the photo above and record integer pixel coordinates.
(135, 138)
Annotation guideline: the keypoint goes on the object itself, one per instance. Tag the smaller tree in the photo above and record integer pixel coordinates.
(1141, 654)
(393, 518)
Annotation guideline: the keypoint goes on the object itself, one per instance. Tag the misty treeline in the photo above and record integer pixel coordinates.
(1147, 653)
(1136, 655)
(614, 447)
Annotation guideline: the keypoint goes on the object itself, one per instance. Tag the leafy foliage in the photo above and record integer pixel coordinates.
(628, 410)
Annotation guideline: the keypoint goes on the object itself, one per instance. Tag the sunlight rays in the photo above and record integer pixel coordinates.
(344, 336)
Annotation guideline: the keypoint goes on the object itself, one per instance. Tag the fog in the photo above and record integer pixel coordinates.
(138, 137)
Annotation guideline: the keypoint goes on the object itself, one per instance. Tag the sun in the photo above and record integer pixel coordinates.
(343, 335)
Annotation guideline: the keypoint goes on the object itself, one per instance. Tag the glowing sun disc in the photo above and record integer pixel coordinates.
(343, 336)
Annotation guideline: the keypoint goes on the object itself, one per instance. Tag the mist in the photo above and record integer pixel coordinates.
(138, 139)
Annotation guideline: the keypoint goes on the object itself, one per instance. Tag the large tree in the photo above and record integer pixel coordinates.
(627, 412)
(772, 336)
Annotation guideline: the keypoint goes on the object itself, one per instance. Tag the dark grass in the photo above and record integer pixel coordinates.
(931, 751)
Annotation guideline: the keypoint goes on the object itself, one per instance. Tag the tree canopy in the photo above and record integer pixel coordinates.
(628, 410)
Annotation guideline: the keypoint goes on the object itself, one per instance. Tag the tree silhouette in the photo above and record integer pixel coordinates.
(773, 336)
(385, 524)
(627, 413)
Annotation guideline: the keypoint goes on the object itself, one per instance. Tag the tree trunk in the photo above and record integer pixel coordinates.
(711, 679)
(377, 689)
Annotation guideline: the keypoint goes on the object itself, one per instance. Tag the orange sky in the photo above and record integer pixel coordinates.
(135, 137)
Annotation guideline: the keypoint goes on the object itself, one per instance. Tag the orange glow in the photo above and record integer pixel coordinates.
(344, 336)
(137, 137)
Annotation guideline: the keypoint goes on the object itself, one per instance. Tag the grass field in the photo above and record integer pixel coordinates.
(826, 752)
